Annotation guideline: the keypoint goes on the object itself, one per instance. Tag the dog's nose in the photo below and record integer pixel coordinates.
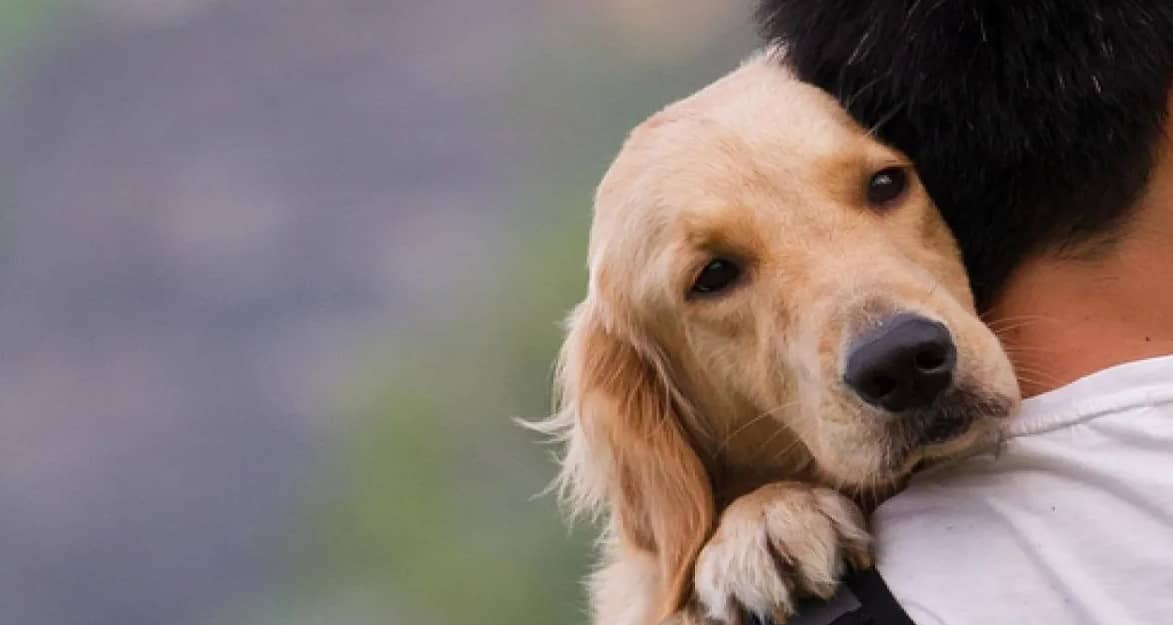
(905, 363)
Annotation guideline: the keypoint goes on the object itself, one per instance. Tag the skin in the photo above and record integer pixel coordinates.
(1062, 317)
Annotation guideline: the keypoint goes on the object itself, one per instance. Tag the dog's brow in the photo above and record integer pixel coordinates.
(729, 229)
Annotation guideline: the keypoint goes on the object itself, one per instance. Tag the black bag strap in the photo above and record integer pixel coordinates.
(863, 599)
(874, 596)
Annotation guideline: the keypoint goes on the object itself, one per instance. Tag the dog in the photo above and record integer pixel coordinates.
(778, 330)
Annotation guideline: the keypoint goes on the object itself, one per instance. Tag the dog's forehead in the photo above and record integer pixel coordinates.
(756, 130)
(756, 141)
(763, 102)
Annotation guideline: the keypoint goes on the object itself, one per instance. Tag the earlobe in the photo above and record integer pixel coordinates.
(657, 488)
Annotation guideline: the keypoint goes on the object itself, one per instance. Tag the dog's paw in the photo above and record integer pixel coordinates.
(777, 544)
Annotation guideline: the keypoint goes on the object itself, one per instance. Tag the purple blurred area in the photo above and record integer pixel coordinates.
(201, 211)
(210, 213)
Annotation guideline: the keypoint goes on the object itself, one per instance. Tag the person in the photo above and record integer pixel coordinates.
(1043, 130)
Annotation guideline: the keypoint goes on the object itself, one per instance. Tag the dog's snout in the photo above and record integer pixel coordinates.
(905, 363)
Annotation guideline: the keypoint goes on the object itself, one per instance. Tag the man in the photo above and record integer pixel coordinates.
(1043, 131)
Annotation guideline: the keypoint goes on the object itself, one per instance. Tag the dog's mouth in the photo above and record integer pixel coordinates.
(904, 370)
(959, 422)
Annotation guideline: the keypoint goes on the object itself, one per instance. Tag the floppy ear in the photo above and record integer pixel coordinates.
(628, 449)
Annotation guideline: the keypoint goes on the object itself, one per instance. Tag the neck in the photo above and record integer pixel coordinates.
(1062, 318)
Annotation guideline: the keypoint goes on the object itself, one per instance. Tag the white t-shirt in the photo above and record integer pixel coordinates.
(1072, 522)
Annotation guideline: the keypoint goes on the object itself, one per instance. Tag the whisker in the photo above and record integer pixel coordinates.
(1032, 370)
(1022, 317)
(778, 456)
(1029, 367)
(750, 423)
(1010, 326)
(1028, 350)
(770, 439)
(1047, 381)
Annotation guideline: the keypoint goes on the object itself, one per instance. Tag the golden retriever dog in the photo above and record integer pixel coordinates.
(778, 329)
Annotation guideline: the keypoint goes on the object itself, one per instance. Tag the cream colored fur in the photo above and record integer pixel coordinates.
(713, 436)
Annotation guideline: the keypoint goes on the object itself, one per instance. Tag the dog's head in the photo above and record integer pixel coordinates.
(772, 292)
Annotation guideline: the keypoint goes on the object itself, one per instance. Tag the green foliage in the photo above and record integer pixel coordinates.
(20, 20)
(436, 510)
(440, 502)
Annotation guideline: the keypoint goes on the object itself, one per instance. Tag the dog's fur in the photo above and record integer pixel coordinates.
(1032, 122)
(715, 434)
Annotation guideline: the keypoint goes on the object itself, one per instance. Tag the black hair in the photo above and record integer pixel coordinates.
(1033, 123)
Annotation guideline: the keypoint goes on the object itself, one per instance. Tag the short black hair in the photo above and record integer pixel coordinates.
(1033, 123)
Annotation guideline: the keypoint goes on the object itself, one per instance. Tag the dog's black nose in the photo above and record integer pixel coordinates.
(905, 363)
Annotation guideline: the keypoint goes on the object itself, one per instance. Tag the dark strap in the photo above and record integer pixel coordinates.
(863, 599)
(873, 594)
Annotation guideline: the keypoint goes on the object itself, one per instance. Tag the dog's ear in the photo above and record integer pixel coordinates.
(633, 453)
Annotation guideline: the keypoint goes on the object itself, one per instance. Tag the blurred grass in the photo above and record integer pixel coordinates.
(20, 21)
(440, 506)
(436, 512)
(430, 519)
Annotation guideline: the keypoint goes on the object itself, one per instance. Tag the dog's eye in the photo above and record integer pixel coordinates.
(718, 275)
(886, 185)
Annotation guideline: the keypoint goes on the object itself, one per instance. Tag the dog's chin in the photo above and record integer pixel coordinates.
(961, 423)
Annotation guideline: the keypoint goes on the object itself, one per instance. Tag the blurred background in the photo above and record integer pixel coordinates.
(275, 275)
